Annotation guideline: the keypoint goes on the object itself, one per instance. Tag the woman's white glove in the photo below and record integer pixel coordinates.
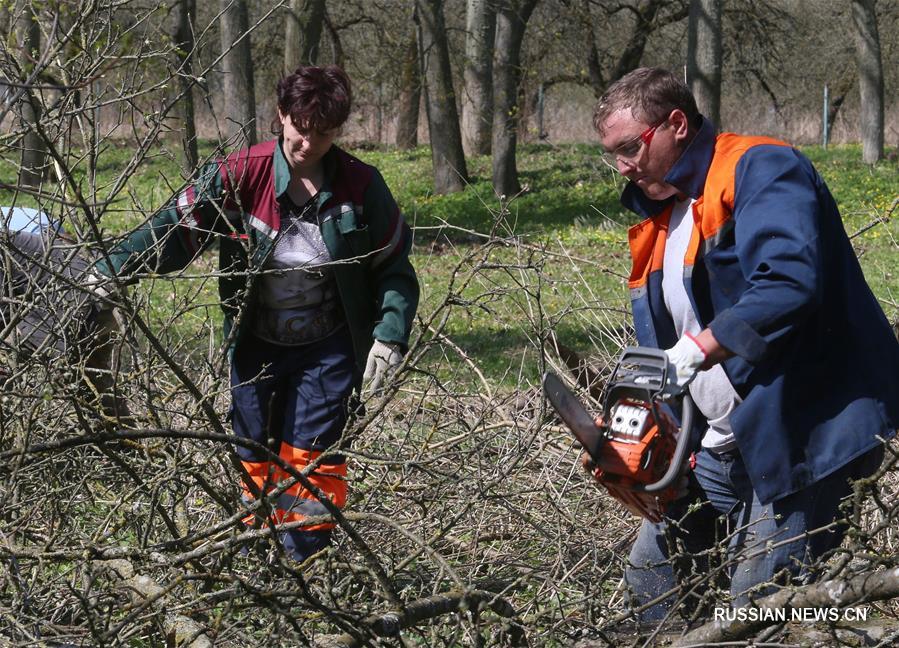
(684, 360)
(98, 286)
(382, 360)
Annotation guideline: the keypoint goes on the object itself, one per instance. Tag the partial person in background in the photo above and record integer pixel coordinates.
(26, 219)
(743, 272)
(48, 309)
(316, 285)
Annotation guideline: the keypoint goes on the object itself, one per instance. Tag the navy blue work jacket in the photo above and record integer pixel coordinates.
(771, 271)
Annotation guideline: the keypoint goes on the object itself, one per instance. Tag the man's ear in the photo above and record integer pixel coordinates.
(680, 124)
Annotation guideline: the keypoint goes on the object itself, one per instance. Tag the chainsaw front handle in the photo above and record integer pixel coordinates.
(681, 451)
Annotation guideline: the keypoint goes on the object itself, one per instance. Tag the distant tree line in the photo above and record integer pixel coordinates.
(473, 71)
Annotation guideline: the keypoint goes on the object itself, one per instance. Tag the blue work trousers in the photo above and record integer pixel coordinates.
(295, 401)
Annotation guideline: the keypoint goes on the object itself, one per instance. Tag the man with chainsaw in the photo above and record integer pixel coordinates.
(742, 272)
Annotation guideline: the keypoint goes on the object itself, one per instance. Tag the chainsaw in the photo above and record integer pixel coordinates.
(638, 449)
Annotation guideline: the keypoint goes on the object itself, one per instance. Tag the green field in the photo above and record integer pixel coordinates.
(554, 256)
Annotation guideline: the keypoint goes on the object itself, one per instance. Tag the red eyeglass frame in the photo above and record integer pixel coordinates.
(646, 137)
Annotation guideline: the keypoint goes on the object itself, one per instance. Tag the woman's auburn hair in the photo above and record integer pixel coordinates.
(315, 97)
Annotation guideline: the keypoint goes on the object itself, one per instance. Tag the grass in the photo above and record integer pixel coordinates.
(566, 235)
(572, 206)
(564, 184)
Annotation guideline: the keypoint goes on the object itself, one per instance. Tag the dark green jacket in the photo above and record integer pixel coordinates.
(236, 202)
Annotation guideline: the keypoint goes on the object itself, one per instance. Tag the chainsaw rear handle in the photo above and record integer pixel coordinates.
(645, 368)
(681, 451)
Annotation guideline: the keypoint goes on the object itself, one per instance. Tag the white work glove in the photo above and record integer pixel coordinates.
(382, 360)
(684, 360)
(98, 286)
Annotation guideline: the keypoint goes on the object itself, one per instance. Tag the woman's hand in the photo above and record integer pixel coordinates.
(382, 360)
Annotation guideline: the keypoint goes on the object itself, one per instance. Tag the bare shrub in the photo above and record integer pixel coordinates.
(469, 520)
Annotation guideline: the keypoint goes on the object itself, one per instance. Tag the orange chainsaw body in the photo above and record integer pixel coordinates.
(640, 444)
(639, 453)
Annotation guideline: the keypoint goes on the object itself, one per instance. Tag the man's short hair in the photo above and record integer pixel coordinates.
(650, 94)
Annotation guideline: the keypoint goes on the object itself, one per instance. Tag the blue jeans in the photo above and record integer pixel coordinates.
(720, 534)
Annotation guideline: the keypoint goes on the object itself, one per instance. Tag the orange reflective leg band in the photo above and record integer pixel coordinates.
(297, 503)
(264, 477)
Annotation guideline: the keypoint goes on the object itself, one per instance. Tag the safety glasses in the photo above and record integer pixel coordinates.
(631, 149)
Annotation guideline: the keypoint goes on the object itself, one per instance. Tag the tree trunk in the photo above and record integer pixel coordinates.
(450, 173)
(410, 98)
(34, 148)
(240, 96)
(511, 20)
(831, 594)
(632, 54)
(870, 78)
(646, 21)
(839, 92)
(704, 57)
(338, 55)
(477, 97)
(185, 17)
(4, 18)
(303, 23)
(594, 68)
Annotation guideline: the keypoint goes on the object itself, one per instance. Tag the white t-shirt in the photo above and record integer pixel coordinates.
(711, 390)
